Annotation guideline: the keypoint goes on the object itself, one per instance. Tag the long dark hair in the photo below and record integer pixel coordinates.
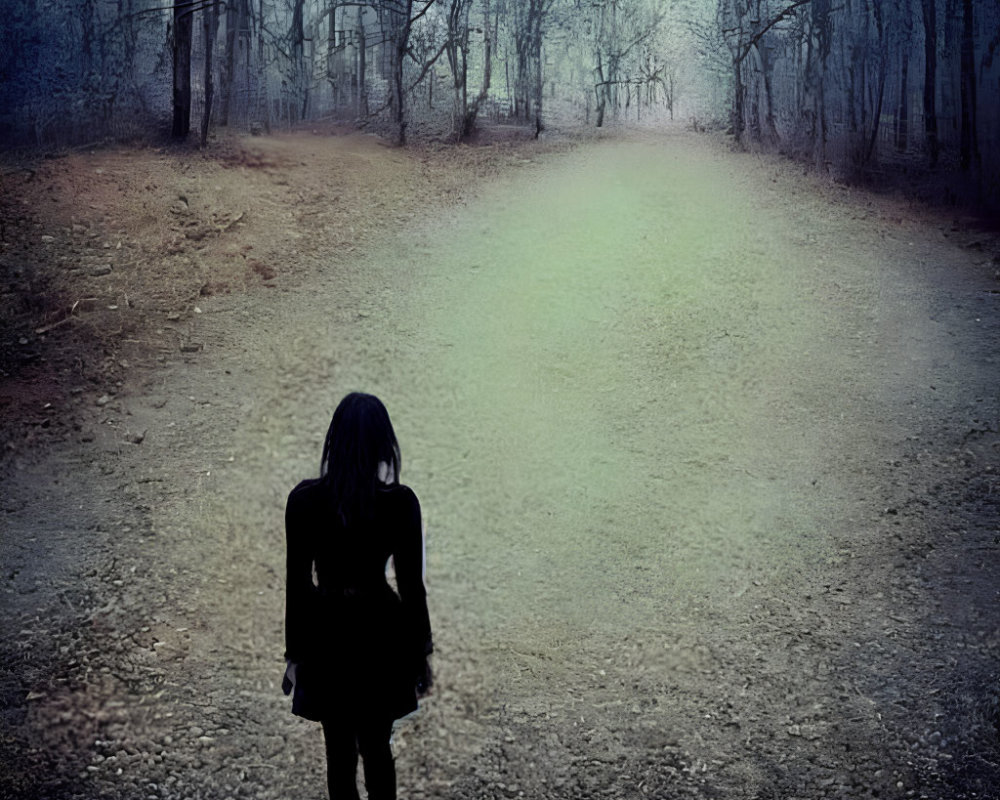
(359, 439)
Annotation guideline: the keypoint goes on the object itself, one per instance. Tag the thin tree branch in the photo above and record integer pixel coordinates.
(642, 37)
(193, 6)
(422, 11)
(789, 11)
(427, 65)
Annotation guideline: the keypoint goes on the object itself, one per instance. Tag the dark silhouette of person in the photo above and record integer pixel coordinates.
(357, 650)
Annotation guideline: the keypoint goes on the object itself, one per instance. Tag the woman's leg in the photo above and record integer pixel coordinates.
(376, 756)
(341, 759)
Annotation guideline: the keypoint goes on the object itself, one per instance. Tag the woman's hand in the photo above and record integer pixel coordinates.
(291, 673)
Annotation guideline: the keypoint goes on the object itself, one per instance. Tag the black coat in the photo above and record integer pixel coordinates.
(359, 645)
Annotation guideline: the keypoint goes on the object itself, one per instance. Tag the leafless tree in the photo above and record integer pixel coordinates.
(458, 47)
(210, 24)
(529, 19)
(617, 31)
(849, 84)
(182, 31)
(929, 15)
(969, 147)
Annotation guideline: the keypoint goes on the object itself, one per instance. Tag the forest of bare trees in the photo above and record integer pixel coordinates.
(849, 85)
(854, 82)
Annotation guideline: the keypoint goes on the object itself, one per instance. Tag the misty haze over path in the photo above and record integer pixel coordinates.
(701, 447)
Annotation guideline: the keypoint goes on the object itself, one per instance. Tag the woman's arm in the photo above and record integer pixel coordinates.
(408, 557)
(298, 580)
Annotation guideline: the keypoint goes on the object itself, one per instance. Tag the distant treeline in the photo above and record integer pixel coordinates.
(94, 68)
(852, 82)
(852, 85)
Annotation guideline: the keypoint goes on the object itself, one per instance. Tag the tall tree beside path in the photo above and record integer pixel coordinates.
(237, 13)
(300, 76)
(929, 13)
(210, 25)
(530, 19)
(743, 25)
(182, 30)
(618, 27)
(969, 146)
(854, 86)
(457, 47)
(398, 19)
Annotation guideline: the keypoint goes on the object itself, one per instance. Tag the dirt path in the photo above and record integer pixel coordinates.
(707, 455)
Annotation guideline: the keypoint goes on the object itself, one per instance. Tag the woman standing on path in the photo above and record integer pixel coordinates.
(357, 651)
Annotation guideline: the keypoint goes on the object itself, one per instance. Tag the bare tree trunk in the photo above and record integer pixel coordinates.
(951, 80)
(770, 126)
(753, 100)
(930, 79)
(87, 36)
(969, 149)
(333, 46)
(539, 87)
(472, 113)
(210, 24)
(362, 66)
(903, 116)
(600, 91)
(183, 28)
(882, 69)
(457, 47)
(739, 92)
(852, 93)
(863, 99)
(823, 29)
(511, 106)
(522, 78)
(298, 90)
(402, 33)
(263, 97)
(234, 17)
(528, 24)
